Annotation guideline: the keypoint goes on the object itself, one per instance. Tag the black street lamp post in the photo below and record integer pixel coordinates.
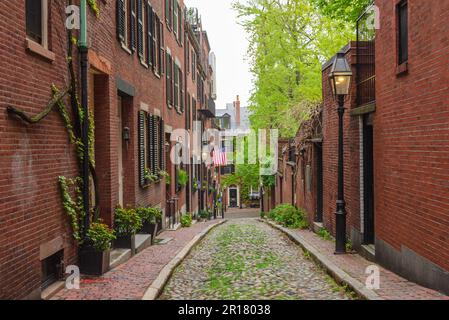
(340, 80)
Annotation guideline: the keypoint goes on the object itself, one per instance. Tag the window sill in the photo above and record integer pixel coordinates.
(124, 47)
(36, 48)
(402, 69)
(143, 63)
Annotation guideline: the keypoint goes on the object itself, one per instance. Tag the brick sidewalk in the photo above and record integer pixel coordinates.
(392, 286)
(130, 280)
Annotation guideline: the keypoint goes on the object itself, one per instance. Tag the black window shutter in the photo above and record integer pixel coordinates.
(141, 138)
(150, 143)
(140, 29)
(150, 24)
(132, 25)
(162, 144)
(181, 87)
(121, 20)
(153, 137)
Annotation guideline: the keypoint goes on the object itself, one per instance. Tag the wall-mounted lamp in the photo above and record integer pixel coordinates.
(126, 136)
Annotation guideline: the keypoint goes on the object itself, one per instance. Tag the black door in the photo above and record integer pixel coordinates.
(319, 182)
(368, 173)
(233, 198)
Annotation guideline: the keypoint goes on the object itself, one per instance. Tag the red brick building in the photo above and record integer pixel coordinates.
(396, 141)
(137, 94)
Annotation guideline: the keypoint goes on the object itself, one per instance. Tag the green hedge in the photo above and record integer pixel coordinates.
(288, 216)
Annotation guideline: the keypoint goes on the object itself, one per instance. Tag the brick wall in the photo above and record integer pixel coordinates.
(411, 133)
(31, 156)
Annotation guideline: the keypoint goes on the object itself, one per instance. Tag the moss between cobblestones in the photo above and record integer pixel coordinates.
(247, 259)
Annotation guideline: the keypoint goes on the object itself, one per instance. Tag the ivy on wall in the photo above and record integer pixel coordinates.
(71, 189)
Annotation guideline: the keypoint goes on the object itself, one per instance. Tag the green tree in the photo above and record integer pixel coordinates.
(289, 42)
(347, 10)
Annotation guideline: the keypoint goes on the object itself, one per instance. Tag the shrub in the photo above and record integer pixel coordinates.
(152, 215)
(100, 236)
(204, 214)
(289, 216)
(127, 222)
(323, 233)
(186, 220)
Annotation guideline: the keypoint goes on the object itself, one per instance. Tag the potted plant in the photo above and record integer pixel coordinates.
(164, 175)
(196, 185)
(150, 218)
(186, 220)
(127, 223)
(183, 178)
(149, 177)
(94, 255)
(204, 215)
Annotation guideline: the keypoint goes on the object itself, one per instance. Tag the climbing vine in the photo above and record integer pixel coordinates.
(94, 7)
(71, 189)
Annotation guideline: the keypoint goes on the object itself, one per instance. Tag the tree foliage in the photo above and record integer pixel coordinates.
(347, 10)
(289, 42)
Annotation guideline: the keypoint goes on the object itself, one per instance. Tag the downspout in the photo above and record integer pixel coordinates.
(83, 49)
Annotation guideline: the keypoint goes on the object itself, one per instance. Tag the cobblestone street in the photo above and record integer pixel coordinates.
(247, 259)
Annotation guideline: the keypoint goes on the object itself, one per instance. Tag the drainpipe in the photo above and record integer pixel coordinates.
(83, 50)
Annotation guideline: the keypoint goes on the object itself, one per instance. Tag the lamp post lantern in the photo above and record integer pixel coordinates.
(340, 81)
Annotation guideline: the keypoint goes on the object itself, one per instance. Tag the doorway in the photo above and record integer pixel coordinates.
(368, 176)
(233, 197)
(319, 182)
(121, 177)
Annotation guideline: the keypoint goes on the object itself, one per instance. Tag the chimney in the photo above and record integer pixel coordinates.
(237, 111)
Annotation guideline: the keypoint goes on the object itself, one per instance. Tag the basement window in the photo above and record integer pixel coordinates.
(52, 269)
(402, 10)
(37, 21)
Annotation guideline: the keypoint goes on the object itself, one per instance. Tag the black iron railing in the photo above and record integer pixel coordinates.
(366, 66)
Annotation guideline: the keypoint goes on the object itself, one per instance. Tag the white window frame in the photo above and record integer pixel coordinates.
(125, 42)
(143, 60)
(44, 25)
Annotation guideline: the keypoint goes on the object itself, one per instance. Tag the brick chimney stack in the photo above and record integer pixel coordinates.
(237, 111)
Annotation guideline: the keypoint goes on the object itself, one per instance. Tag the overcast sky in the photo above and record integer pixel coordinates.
(229, 42)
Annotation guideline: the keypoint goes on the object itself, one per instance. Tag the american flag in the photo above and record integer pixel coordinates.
(220, 157)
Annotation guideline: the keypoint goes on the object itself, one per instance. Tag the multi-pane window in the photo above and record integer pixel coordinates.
(187, 54)
(169, 13)
(176, 86)
(193, 66)
(180, 37)
(141, 30)
(175, 19)
(402, 10)
(169, 76)
(155, 43)
(37, 21)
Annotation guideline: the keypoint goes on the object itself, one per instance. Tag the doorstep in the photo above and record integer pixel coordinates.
(368, 252)
(118, 257)
(143, 241)
(317, 226)
(51, 290)
(175, 227)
